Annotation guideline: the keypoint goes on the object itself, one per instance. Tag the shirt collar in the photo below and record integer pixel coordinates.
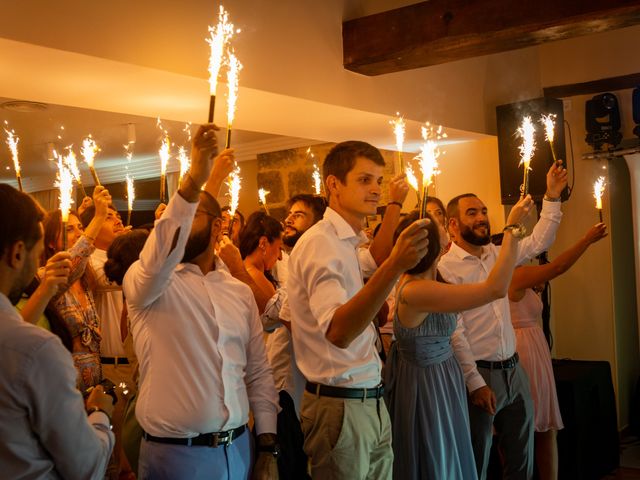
(342, 228)
(6, 306)
(193, 268)
(461, 253)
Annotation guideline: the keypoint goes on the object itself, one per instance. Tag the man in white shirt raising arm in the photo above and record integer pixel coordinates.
(484, 341)
(199, 342)
(345, 422)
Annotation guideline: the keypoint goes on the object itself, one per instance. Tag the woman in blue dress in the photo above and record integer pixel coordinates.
(424, 386)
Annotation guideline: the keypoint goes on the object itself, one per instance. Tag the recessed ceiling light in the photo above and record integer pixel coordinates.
(24, 106)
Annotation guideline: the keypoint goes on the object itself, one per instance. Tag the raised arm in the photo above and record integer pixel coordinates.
(544, 233)
(147, 278)
(222, 167)
(382, 243)
(55, 273)
(425, 295)
(353, 317)
(530, 276)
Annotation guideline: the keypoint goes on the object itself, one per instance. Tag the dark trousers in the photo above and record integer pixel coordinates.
(513, 423)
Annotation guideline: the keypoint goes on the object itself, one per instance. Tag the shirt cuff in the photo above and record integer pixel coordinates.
(267, 423)
(99, 418)
(179, 208)
(551, 207)
(475, 382)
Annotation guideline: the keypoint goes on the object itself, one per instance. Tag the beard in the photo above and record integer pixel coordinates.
(291, 240)
(473, 238)
(198, 242)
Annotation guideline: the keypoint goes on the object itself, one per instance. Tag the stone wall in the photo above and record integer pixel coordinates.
(289, 172)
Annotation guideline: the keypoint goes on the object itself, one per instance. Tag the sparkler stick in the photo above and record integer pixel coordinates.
(89, 150)
(71, 163)
(232, 81)
(12, 142)
(262, 195)
(131, 195)
(233, 183)
(428, 158)
(64, 182)
(526, 131)
(398, 131)
(549, 125)
(598, 190)
(164, 160)
(219, 37)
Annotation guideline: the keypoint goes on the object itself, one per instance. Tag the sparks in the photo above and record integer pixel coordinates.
(12, 142)
(89, 150)
(527, 149)
(64, 182)
(429, 153)
(598, 191)
(183, 158)
(262, 195)
(549, 122)
(218, 40)
(164, 154)
(128, 151)
(233, 183)
(131, 196)
(317, 180)
(232, 81)
(71, 163)
(411, 177)
(398, 131)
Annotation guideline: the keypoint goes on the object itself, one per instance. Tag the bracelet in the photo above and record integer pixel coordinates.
(518, 230)
(395, 203)
(547, 198)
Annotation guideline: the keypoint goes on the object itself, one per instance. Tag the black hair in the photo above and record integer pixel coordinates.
(88, 213)
(199, 240)
(452, 207)
(433, 250)
(238, 212)
(123, 252)
(21, 221)
(317, 204)
(259, 224)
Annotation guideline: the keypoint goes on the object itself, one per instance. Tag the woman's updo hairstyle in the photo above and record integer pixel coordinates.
(124, 250)
(434, 241)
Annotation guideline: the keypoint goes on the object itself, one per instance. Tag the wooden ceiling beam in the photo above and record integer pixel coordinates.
(440, 31)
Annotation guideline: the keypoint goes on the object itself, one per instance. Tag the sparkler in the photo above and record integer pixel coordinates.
(232, 82)
(549, 125)
(398, 131)
(164, 160)
(12, 142)
(598, 190)
(131, 196)
(183, 158)
(233, 183)
(89, 150)
(64, 182)
(317, 180)
(526, 131)
(428, 160)
(262, 195)
(412, 180)
(219, 37)
(71, 163)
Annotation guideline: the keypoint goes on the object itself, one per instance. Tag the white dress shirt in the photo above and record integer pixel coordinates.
(485, 332)
(198, 339)
(324, 274)
(44, 430)
(108, 299)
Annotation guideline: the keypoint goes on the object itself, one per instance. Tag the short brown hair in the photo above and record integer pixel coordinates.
(21, 221)
(341, 159)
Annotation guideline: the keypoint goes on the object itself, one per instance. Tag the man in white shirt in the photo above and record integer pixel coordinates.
(199, 342)
(345, 423)
(484, 340)
(44, 430)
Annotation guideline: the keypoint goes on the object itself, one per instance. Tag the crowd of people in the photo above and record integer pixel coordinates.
(207, 346)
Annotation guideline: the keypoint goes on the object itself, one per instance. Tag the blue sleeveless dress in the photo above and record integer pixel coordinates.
(427, 401)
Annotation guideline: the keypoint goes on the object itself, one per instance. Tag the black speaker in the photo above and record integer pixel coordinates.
(636, 110)
(602, 121)
(511, 172)
(588, 445)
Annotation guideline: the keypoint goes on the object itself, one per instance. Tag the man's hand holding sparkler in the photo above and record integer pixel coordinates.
(556, 180)
(204, 148)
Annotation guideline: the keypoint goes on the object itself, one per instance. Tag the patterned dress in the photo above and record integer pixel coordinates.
(427, 400)
(82, 322)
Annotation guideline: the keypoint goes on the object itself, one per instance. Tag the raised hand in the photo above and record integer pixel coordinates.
(398, 188)
(411, 246)
(520, 211)
(556, 180)
(596, 233)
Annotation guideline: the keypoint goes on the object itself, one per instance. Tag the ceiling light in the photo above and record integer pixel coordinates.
(24, 106)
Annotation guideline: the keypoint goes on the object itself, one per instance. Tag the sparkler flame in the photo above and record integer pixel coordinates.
(12, 142)
(185, 163)
(71, 162)
(89, 150)
(232, 81)
(233, 183)
(128, 151)
(317, 180)
(164, 154)
(598, 191)
(219, 37)
(64, 182)
(429, 153)
(527, 132)
(262, 195)
(398, 131)
(549, 126)
(412, 180)
(131, 193)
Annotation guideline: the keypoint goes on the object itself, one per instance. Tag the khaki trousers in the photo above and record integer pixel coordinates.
(347, 438)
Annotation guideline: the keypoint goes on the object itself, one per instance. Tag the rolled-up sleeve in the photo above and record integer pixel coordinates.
(543, 234)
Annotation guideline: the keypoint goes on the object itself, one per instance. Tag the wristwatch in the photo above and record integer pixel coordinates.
(273, 449)
(94, 409)
(518, 230)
